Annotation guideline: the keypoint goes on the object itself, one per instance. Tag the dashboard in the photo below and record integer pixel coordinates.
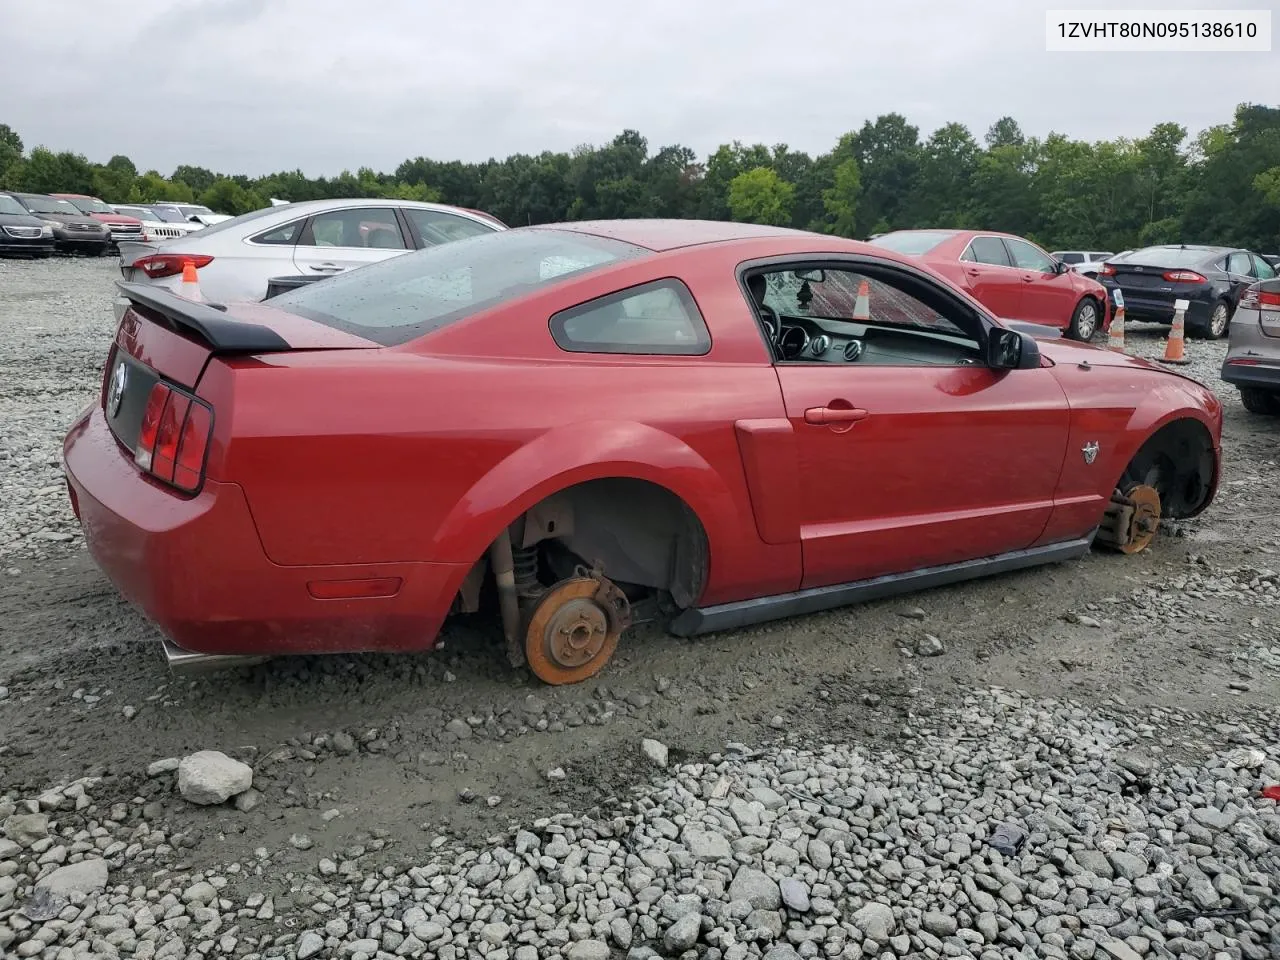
(839, 341)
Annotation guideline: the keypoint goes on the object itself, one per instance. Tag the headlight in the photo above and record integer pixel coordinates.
(49, 224)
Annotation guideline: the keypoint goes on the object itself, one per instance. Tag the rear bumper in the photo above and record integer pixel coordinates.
(1263, 375)
(195, 566)
(1147, 308)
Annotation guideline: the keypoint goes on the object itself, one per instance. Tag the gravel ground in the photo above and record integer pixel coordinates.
(828, 786)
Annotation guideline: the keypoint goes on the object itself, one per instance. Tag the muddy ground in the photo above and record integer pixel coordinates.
(1192, 623)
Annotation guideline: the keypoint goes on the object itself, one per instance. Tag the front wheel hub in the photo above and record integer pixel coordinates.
(1132, 519)
(575, 628)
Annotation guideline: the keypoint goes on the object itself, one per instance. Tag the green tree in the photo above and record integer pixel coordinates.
(840, 202)
(49, 172)
(10, 153)
(197, 178)
(227, 196)
(150, 187)
(114, 182)
(761, 196)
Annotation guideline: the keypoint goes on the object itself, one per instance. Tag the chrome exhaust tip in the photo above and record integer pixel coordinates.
(187, 663)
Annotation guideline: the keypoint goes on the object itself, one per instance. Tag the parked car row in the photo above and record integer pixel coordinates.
(39, 225)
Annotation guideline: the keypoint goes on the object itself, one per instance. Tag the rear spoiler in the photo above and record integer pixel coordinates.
(207, 320)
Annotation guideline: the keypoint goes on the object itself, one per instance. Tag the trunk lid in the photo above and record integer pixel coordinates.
(163, 337)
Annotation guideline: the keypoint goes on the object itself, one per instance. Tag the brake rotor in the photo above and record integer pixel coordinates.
(574, 629)
(1133, 517)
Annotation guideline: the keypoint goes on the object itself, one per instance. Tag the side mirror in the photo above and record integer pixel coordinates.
(1010, 350)
(1063, 267)
(816, 276)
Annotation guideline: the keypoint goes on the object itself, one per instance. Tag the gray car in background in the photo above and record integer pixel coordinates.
(1253, 350)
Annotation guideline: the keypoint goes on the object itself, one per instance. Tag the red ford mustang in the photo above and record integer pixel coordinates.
(1010, 276)
(713, 423)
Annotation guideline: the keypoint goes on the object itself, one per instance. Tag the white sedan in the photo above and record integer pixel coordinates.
(236, 258)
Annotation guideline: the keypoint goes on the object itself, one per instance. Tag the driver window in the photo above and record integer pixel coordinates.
(1240, 264)
(834, 315)
(1027, 257)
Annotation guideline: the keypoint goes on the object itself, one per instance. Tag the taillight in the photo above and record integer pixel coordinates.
(1184, 276)
(1107, 270)
(169, 264)
(1254, 298)
(174, 437)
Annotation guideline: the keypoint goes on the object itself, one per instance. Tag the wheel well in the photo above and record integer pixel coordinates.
(642, 536)
(1178, 460)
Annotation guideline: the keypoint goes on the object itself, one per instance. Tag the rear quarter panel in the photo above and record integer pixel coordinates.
(425, 452)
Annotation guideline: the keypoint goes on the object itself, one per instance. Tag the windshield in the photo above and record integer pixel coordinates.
(190, 210)
(12, 206)
(50, 205)
(169, 215)
(1166, 256)
(912, 242)
(142, 213)
(412, 294)
(90, 205)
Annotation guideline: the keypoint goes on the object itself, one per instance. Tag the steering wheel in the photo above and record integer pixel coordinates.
(771, 319)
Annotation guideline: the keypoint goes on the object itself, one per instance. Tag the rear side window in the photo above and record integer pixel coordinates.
(281, 236)
(659, 318)
(988, 250)
(402, 298)
(912, 242)
(1262, 269)
(1071, 257)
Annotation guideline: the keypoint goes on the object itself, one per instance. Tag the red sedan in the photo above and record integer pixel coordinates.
(1010, 276)
(721, 423)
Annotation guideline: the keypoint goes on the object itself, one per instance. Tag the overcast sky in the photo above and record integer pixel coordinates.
(254, 86)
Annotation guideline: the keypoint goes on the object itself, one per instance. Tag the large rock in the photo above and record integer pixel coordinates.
(683, 934)
(209, 777)
(25, 829)
(85, 877)
(756, 888)
(876, 921)
(654, 750)
(706, 845)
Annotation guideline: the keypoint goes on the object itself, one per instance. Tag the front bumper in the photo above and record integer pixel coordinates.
(195, 566)
(80, 239)
(26, 245)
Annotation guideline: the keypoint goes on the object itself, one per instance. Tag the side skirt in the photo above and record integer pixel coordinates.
(742, 613)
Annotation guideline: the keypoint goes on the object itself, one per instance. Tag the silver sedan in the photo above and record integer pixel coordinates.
(236, 258)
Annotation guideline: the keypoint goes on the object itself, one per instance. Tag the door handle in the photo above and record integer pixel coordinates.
(325, 268)
(821, 416)
(1028, 279)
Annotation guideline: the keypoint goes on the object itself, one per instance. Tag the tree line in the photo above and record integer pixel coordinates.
(1220, 186)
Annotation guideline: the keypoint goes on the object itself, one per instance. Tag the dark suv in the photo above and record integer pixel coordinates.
(20, 232)
(73, 232)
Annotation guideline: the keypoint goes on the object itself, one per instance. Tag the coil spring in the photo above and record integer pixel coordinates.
(525, 566)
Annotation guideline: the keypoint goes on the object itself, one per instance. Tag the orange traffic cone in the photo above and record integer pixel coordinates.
(190, 283)
(1115, 336)
(1174, 347)
(862, 306)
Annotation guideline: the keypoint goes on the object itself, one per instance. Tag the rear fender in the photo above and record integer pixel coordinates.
(591, 450)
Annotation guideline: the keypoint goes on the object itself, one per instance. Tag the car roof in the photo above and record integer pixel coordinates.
(670, 234)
